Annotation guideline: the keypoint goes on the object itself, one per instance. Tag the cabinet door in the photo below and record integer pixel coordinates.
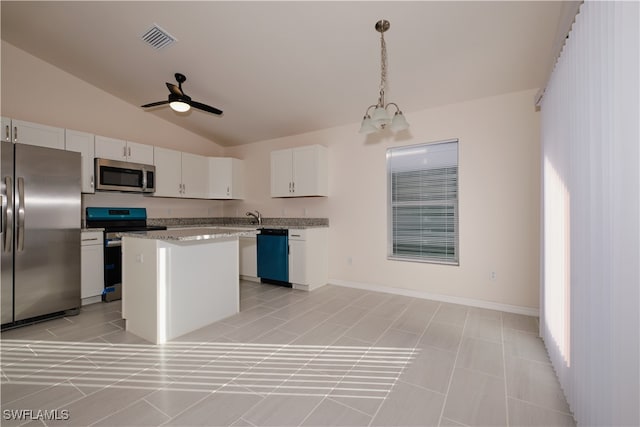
(195, 176)
(281, 173)
(237, 179)
(139, 153)
(220, 178)
(36, 134)
(111, 148)
(248, 256)
(91, 264)
(7, 130)
(168, 165)
(92, 271)
(310, 171)
(82, 142)
(297, 262)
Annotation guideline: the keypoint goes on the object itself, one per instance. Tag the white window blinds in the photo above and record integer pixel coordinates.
(423, 202)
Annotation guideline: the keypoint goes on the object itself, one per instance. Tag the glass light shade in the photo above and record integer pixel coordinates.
(380, 118)
(367, 126)
(179, 106)
(399, 122)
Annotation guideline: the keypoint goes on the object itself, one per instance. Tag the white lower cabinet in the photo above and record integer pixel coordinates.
(308, 258)
(248, 258)
(92, 266)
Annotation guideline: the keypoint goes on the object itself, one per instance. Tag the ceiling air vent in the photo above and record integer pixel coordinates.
(157, 38)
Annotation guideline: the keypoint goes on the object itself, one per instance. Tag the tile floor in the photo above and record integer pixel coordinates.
(333, 357)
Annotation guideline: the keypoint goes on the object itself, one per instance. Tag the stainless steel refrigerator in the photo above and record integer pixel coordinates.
(40, 268)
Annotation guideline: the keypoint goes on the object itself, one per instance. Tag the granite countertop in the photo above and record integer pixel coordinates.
(191, 234)
(241, 222)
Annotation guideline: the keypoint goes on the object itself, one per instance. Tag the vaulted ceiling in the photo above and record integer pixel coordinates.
(283, 68)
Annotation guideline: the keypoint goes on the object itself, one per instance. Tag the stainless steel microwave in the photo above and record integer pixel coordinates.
(114, 175)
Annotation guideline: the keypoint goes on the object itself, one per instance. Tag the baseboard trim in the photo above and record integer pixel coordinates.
(516, 309)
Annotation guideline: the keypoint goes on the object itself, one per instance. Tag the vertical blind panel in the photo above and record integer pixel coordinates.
(424, 202)
(591, 209)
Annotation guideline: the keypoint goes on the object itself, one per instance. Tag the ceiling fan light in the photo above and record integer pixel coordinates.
(367, 126)
(380, 118)
(179, 106)
(399, 122)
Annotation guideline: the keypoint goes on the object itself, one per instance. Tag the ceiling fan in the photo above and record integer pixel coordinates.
(179, 101)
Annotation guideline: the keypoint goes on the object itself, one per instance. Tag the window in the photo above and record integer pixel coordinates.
(423, 202)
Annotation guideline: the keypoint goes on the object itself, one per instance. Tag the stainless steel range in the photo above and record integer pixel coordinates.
(114, 221)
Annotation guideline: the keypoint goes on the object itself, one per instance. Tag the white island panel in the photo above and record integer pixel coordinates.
(173, 283)
(140, 273)
(202, 284)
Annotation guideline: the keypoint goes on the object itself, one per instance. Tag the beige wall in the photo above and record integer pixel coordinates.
(36, 91)
(499, 200)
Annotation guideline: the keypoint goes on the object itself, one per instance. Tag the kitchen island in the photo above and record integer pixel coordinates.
(177, 281)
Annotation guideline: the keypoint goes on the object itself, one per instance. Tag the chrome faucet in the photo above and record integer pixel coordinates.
(257, 216)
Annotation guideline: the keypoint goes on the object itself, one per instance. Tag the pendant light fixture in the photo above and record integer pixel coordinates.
(380, 119)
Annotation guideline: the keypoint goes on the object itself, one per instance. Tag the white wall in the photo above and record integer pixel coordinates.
(499, 200)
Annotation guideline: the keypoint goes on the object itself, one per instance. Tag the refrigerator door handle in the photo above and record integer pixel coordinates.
(20, 232)
(7, 215)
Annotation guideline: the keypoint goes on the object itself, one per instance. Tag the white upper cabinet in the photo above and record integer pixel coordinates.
(37, 134)
(83, 143)
(124, 151)
(298, 172)
(180, 174)
(195, 176)
(168, 165)
(226, 178)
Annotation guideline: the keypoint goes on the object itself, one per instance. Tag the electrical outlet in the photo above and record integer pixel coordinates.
(492, 275)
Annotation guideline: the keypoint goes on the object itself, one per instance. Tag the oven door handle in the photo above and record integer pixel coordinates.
(113, 243)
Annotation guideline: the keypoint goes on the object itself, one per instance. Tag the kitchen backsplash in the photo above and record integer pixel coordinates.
(240, 221)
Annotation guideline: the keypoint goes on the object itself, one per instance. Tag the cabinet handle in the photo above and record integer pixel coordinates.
(129, 151)
(91, 181)
(15, 134)
(289, 187)
(124, 151)
(227, 191)
(88, 240)
(295, 235)
(293, 186)
(7, 130)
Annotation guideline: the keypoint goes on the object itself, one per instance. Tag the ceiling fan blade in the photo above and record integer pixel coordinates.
(155, 104)
(205, 107)
(174, 89)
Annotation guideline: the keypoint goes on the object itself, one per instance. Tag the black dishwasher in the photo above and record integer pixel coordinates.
(273, 256)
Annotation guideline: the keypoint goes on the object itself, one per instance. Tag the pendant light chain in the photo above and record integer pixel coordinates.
(383, 67)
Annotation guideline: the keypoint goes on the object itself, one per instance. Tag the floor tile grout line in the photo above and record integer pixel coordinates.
(504, 369)
(539, 406)
(373, 417)
(155, 407)
(453, 370)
